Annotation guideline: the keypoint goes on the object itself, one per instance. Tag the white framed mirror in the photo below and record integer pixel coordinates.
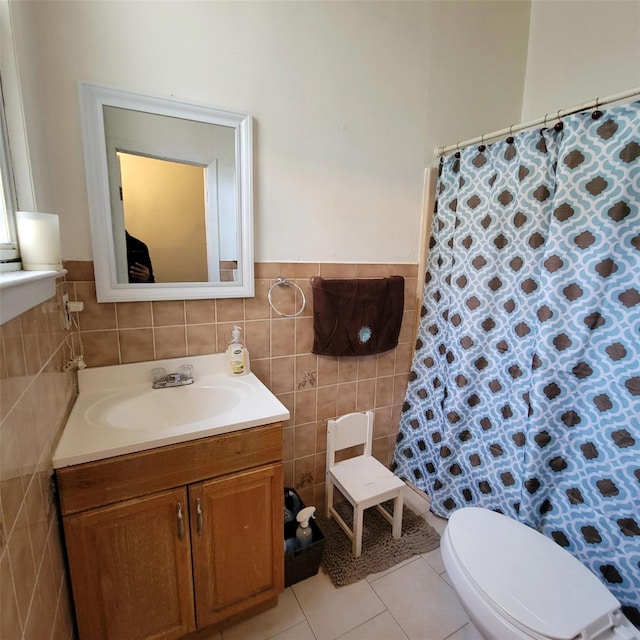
(170, 197)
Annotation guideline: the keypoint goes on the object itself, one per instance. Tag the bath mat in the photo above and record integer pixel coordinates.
(380, 550)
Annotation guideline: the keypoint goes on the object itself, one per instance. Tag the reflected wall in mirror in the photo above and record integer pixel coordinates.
(170, 189)
(153, 190)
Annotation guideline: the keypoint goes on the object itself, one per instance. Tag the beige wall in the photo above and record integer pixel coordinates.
(346, 113)
(476, 73)
(349, 98)
(580, 50)
(35, 397)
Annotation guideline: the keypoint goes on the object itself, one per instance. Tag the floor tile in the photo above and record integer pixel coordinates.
(269, 623)
(376, 576)
(300, 631)
(382, 627)
(332, 612)
(422, 603)
(415, 501)
(466, 633)
(435, 521)
(434, 558)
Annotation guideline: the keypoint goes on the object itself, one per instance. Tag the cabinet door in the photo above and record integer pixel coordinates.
(131, 569)
(237, 542)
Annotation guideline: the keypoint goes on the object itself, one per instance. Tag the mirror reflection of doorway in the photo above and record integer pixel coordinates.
(163, 203)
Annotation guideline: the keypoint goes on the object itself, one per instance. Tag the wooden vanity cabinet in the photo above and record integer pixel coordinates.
(130, 571)
(232, 557)
(161, 563)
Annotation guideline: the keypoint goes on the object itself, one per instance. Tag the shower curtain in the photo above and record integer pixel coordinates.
(524, 394)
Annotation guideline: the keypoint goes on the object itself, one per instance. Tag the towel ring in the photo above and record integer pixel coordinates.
(286, 283)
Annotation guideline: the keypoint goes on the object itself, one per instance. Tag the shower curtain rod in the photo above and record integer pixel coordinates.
(549, 117)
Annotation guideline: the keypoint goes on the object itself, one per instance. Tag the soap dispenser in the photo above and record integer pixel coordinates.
(304, 533)
(238, 355)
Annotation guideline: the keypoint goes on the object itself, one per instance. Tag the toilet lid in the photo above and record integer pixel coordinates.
(559, 596)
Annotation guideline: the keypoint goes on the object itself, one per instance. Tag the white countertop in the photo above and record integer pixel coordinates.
(121, 395)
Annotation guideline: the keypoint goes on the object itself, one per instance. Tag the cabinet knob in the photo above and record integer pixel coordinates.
(200, 517)
(180, 522)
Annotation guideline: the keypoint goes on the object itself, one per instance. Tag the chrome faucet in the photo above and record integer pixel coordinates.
(164, 380)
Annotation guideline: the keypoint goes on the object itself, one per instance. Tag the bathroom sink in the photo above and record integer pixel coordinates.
(146, 408)
(118, 412)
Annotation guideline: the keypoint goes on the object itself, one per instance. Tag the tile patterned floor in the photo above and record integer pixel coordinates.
(411, 601)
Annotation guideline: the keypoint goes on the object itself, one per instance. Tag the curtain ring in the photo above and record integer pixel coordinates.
(596, 114)
(559, 125)
(510, 138)
(544, 124)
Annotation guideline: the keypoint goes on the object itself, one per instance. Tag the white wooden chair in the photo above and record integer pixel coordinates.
(362, 480)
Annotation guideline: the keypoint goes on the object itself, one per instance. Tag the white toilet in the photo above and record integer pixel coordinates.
(515, 583)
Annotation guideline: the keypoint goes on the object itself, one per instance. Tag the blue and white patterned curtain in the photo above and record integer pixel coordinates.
(524, 394)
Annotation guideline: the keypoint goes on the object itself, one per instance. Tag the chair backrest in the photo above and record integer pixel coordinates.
(347, 431)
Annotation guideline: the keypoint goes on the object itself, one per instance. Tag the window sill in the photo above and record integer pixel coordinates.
(22, 290)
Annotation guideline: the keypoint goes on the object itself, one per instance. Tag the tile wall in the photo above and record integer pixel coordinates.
(35, 398)
(312, 387)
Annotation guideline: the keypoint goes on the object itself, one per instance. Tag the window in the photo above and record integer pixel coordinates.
(9, 257)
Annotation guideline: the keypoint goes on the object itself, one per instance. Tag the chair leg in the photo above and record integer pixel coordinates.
(329, 498)
(356, 546)
(397, 515)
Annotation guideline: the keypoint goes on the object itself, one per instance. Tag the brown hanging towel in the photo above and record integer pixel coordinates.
(356, 317)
